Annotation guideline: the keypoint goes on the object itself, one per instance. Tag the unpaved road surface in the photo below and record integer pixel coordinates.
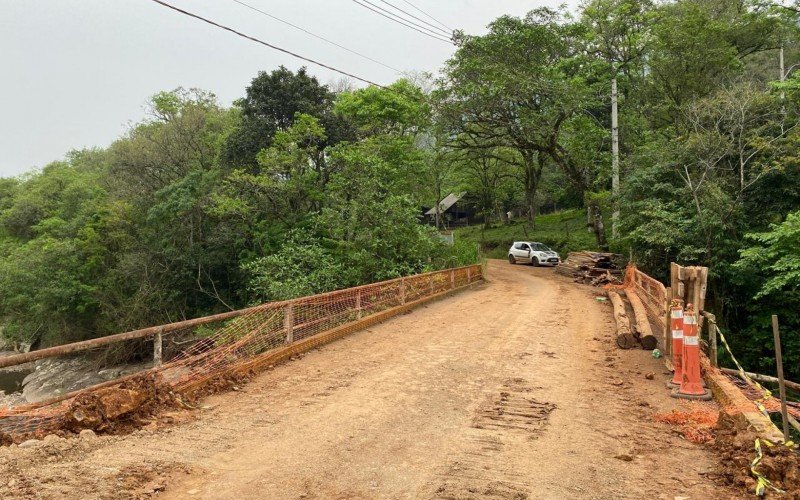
(510, 390)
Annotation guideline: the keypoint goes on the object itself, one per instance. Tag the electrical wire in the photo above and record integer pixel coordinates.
(276, 18)
(275, 47)
(433, 26)
(382, 13)
(398, 18)
(428, 15)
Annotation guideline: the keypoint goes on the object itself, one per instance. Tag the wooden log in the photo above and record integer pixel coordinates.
(762, 378)
(643, 328)
(625, 337)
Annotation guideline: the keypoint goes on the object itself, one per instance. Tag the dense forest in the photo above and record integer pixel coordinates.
(301, 187)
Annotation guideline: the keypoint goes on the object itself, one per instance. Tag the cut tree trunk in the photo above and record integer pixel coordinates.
(643, 328)
(625, 337)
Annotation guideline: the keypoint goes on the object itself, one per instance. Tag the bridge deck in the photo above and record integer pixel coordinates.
(512, 390)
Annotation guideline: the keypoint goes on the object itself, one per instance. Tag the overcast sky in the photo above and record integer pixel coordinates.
(76, 73)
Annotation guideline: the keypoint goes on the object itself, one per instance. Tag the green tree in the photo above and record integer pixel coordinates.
(526, 98)
(271, 103)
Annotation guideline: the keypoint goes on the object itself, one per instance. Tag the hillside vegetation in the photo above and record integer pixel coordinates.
(563, 231)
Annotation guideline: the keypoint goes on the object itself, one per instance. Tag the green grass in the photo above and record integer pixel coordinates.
(563, 231)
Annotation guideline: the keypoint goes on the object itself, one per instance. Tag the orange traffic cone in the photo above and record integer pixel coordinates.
(691, 380)
(676, 325)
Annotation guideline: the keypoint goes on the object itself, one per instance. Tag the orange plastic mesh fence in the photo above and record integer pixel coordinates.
(192, 356)
(651, 291)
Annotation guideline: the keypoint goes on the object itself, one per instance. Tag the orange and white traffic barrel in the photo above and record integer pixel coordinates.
(676, 327)
(691, 378)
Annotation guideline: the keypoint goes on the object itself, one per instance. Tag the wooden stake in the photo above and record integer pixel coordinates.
(667, 330)
(712, 337)
(781, 384)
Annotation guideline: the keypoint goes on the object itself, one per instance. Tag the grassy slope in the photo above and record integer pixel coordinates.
(563, 231)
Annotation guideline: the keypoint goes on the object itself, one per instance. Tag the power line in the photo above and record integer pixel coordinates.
(312, 61)
(429, 16)
(315, 35)
(378, 11)
(398, 18)
(433, 26)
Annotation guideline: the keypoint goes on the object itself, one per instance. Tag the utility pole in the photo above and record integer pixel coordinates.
(615, 156)
(783, 76)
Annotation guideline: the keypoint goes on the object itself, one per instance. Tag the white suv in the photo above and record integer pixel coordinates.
(532, 252)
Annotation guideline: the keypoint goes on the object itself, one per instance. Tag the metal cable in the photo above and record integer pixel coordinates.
(293, 54)
(256, 9)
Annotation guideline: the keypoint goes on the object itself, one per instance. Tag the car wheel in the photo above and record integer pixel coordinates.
(511, 259)
(535, 261)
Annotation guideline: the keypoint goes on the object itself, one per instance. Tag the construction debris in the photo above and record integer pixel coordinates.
(594, 268)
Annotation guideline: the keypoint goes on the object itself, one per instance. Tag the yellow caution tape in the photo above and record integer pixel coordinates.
(762, 483)
(742, 373)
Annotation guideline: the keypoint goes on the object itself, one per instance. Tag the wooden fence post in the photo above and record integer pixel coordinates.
(469, 275)
(158, 348)
(288, 322)
(452, 278)
(667, 319)
(700, 299)
(712, 337)
(358, 304)
(781, 383)
(402, 291)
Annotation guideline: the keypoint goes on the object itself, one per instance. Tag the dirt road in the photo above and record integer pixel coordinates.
(510, 390)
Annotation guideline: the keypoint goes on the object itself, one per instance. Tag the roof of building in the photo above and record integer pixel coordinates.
(447, 202)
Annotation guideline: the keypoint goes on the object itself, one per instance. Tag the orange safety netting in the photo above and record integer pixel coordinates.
(246, 340)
